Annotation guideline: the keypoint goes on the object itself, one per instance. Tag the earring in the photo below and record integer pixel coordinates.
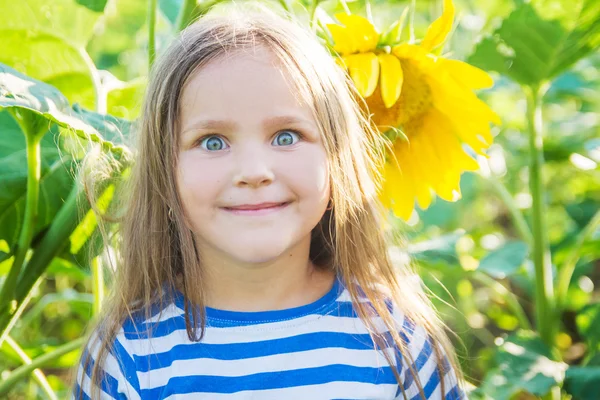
(170, 214)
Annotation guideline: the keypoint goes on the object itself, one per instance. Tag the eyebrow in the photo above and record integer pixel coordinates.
(210, 124)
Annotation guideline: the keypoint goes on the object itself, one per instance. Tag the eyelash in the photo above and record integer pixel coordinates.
(203, 138)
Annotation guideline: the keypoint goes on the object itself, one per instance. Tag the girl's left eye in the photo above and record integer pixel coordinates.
(285, 138)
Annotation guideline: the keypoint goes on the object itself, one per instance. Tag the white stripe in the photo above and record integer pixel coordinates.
(111, 366)
(327, 323)
(273, 363)
(348, 390)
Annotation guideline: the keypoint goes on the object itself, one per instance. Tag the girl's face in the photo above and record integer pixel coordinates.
(246, 140)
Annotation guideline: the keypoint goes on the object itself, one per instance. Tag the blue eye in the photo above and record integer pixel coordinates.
(213, 143)
(285, 138)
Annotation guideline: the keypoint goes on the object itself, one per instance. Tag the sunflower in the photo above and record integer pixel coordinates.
(429, 99)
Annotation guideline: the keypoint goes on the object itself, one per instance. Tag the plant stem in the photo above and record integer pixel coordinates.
(34, 165)
(24, 370)
(151, 32)
(285, 5)
(38, 375)
(566, 271)
(515, 213)
(99, 91)
(53, 241)
(511, 300)
(345, 7)
(11, 319)
(313, 12)
(185, 15)
(541, 253)
(98, 286)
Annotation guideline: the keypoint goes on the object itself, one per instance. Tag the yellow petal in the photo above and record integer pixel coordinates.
(343, 40)
(440, 28)
(364, 70)
(401, 192)
(391, 78)
(466, 74)
(363, 32)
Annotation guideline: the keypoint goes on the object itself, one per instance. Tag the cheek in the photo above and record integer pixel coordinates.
(197, 183)
(308, 172)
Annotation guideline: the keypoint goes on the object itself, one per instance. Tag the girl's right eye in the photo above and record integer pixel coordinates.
(212, 143)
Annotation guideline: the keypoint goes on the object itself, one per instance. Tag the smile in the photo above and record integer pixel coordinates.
(257, 211)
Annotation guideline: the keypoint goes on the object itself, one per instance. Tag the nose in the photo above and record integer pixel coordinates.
(253, 168)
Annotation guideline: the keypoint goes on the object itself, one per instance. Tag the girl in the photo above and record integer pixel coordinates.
(253, 261)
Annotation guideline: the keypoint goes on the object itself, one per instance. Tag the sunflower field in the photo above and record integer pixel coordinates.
(492, 109)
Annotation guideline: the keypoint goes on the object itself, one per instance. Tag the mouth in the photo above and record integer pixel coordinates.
(257, 209)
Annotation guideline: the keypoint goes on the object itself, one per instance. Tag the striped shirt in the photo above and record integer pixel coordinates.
(317, 351)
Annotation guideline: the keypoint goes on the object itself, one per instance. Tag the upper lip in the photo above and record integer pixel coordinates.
(256, 206)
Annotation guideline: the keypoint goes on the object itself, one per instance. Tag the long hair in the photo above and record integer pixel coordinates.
(157, 253)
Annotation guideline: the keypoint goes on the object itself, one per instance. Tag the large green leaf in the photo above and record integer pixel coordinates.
(524, 364)
(583, 382)
(94, 5)
(541, 39)
(22, 92)
(45, 103)
(65, 19)
(439, 250)
(505, 260)
(125, 101)
(46, 40)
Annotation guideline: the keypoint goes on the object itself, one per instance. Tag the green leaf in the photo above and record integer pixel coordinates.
(541, 39)
(583, 382)
(46, 40)
(505, 260)
(20, 91)
(170, 9)
(121, 34)
(94, 5)
(524, 365)
(439, 250)
(64, 19)
(125, 101)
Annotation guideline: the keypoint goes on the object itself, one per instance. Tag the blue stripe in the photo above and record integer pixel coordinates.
(236, 351)
(432, 383)
(128, 366)
(455, 394)
(109, 384)
(419, 362)
(272, 380)
(169, 325)
(76, 392)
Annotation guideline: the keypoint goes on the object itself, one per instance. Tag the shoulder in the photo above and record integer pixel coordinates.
(422, 363)
(116, 371)
(426, 359)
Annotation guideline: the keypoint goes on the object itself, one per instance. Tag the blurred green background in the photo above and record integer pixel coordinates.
(477, 255)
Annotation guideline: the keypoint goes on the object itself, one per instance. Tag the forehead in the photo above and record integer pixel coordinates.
(246, 83)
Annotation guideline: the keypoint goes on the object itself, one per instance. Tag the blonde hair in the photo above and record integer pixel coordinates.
(156, 249)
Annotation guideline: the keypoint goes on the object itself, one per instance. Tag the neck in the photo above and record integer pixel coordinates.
(290, 280)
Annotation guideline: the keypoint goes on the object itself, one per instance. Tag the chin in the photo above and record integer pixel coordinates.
(254, 255)
(259, 249)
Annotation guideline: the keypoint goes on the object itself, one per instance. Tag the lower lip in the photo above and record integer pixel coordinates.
(258, 211)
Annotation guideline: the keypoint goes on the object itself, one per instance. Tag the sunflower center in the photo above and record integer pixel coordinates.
(415, 100)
